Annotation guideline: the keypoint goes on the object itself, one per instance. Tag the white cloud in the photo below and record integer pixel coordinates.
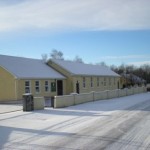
(139, 63)
(136, 60)
(75, 14)
(126, 57)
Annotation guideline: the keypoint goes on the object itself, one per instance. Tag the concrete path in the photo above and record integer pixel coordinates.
(7, 108)
(12, 106)
(117, 124)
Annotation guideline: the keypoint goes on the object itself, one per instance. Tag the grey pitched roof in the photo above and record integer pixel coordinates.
(76, 68)
(28, 68)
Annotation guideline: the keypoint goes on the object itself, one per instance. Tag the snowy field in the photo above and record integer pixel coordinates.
(117, 124)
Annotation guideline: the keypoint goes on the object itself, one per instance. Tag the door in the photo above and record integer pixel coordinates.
(59, 87)
(77, 88)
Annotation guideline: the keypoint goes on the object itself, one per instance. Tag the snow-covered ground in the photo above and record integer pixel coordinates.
(122, 123)
(7, 108)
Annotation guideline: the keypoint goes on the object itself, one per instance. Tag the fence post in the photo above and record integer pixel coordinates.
(55, 101)
(117, 90)
(107, 94)
(126, 92)
(93, 92)
(74, 97)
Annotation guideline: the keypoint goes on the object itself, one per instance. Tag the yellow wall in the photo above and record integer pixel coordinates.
(21, 87)
(111, 83)
(13, 89)
(7, 85)
(69, 79)
(72, 80)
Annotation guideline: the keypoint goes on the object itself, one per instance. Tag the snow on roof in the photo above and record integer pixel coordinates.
(28, 68)
(77, 68)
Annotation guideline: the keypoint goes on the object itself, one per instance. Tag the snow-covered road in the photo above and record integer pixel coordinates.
(122, 123)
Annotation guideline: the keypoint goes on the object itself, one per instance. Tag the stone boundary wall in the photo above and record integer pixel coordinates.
(74, 98)
(39, 103)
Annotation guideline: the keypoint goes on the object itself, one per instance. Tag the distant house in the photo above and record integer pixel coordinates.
(125, 80)
(131, 80)
(24, 75)
(82, 78)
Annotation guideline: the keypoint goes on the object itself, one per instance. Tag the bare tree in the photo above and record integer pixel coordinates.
(101, 63)
(55, 54)
(114, 68)
(44, 57)
(78, 59)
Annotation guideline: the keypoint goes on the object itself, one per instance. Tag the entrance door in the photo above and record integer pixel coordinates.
(77, 88)
(59, 87)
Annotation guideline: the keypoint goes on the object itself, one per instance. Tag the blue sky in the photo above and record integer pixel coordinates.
(113, 31)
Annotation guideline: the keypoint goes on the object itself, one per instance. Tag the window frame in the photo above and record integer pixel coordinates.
(37, 86)
(114, 81)
(98, 82)
(104, 81)
(84, 82)
(109, 81)
(46, 86)
(27, 87)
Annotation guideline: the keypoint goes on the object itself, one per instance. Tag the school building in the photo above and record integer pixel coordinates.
(20, 75)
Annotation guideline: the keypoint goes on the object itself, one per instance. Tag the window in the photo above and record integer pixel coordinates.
(53, 86)
(37, 86)
(27, 87)
(84, 82)
(114, 81)
(91, 82)
(104, 81)
(46, 86)
(97, 81)
(110, 81)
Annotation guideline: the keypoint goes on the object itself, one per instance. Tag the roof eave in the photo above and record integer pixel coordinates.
(42, 78)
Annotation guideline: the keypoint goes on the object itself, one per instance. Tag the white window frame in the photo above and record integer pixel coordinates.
(28, 87)
(84, 82)
(109, 81)
(114, 81)
(37, 86)
(46, 86)
(98, 82)
(105, 81)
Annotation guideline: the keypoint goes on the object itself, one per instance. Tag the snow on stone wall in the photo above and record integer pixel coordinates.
(74, 98)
